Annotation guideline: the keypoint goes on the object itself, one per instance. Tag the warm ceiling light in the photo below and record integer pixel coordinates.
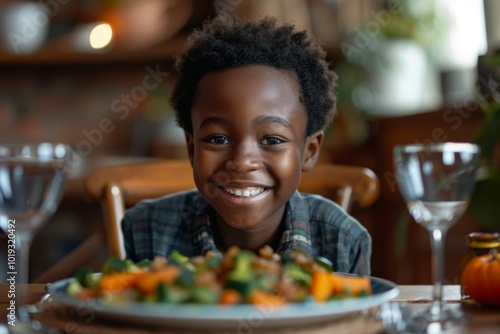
(100, 36)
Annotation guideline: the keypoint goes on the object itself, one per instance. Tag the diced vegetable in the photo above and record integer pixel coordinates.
(297, 273)
(350, 285)
(149, 283)
(209, 263)
(172, 294)
(118, 281)
(324, 263)
(264, 279)
(114, 265)
(146, 263)
(266, 299)
(321, 285)
(73, 288)
(86, 278)
(86, 293)
(202, 295)
(230, 297)
(186, 277)
(241, 277)
(177, 258)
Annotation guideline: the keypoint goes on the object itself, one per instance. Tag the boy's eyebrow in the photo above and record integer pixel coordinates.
(214, 119)
(261, 120)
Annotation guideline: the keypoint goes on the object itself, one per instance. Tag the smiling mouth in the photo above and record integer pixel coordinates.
(244, 192)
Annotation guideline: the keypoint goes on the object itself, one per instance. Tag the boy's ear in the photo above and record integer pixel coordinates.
(190, 145)
(311, 150)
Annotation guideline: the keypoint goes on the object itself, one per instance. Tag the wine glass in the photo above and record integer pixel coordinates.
(32, 181)
(436, 181)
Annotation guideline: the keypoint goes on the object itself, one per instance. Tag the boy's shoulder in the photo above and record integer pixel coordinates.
(320, 205)
(327, 213)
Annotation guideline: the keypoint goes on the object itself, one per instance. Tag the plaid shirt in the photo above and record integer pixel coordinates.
(181, 222)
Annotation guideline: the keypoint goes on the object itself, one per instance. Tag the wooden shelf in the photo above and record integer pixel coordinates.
(54, 55)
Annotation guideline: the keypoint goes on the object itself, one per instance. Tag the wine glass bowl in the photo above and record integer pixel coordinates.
(436, 182)
(32, 182)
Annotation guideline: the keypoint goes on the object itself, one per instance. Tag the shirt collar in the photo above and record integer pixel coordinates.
(203, 235)
(296, 233)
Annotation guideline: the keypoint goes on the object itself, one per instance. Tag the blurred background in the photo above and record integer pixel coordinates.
(98, 74)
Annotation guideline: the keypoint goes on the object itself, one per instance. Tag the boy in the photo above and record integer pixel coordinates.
(253, 99)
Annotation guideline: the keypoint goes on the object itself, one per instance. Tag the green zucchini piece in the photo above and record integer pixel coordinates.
(177, 258)
(202, 295)
(146, 263)
(86, 278)
(114, 264)
(298, 274)
(73, 288)
(324, 262)
(172, 294)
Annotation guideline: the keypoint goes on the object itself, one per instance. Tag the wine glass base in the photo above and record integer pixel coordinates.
(25, 324)
(430, 321)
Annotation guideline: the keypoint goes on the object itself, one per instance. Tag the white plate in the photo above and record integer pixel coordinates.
(236, 316)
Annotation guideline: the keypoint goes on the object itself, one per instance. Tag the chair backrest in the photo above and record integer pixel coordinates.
(120, 186)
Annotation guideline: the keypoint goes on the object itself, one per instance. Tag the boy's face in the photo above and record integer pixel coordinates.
(248, 145)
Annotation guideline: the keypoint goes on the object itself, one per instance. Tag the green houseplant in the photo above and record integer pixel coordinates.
(485, 201)
(392, 55)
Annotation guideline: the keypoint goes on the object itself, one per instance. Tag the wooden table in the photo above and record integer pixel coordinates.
(481, 320)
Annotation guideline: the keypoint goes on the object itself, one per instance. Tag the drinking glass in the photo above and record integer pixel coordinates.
(436, 182)
(32, 181)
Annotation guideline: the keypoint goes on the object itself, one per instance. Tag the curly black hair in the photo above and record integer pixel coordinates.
(226, 42)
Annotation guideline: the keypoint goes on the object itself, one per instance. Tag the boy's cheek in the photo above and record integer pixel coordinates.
(189, 145)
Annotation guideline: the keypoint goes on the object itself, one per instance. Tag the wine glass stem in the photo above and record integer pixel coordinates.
(437, 241)
(24, 243)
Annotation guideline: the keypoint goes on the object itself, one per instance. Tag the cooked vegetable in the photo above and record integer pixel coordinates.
(266, 299)
(321, 285)
(149, 283)
(177, 258)
(357, 286)
(230, 297)
(86, 278)
(119, 281)
(324, 262)
(114, 265)
(240, 276)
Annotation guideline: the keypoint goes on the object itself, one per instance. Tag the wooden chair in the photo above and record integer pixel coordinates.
(120, 186)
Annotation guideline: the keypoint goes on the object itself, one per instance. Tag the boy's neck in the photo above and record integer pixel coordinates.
(252, 239)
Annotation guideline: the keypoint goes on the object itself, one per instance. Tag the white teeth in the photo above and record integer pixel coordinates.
(244, 192)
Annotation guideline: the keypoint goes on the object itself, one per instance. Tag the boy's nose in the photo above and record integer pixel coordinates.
(244, 159)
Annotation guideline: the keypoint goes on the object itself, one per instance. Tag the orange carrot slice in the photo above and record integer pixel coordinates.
(118, 281)
(230, 297)
(149, 283)
(321, 286)
(350, 285)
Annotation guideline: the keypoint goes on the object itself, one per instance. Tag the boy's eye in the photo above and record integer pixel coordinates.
(272, 141)
(219, 140)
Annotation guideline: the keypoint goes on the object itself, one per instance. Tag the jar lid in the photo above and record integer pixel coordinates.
(483, 240)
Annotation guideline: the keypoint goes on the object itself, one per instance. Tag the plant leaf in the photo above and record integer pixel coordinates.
(492, 60)
(488, 135)
(485, 203)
